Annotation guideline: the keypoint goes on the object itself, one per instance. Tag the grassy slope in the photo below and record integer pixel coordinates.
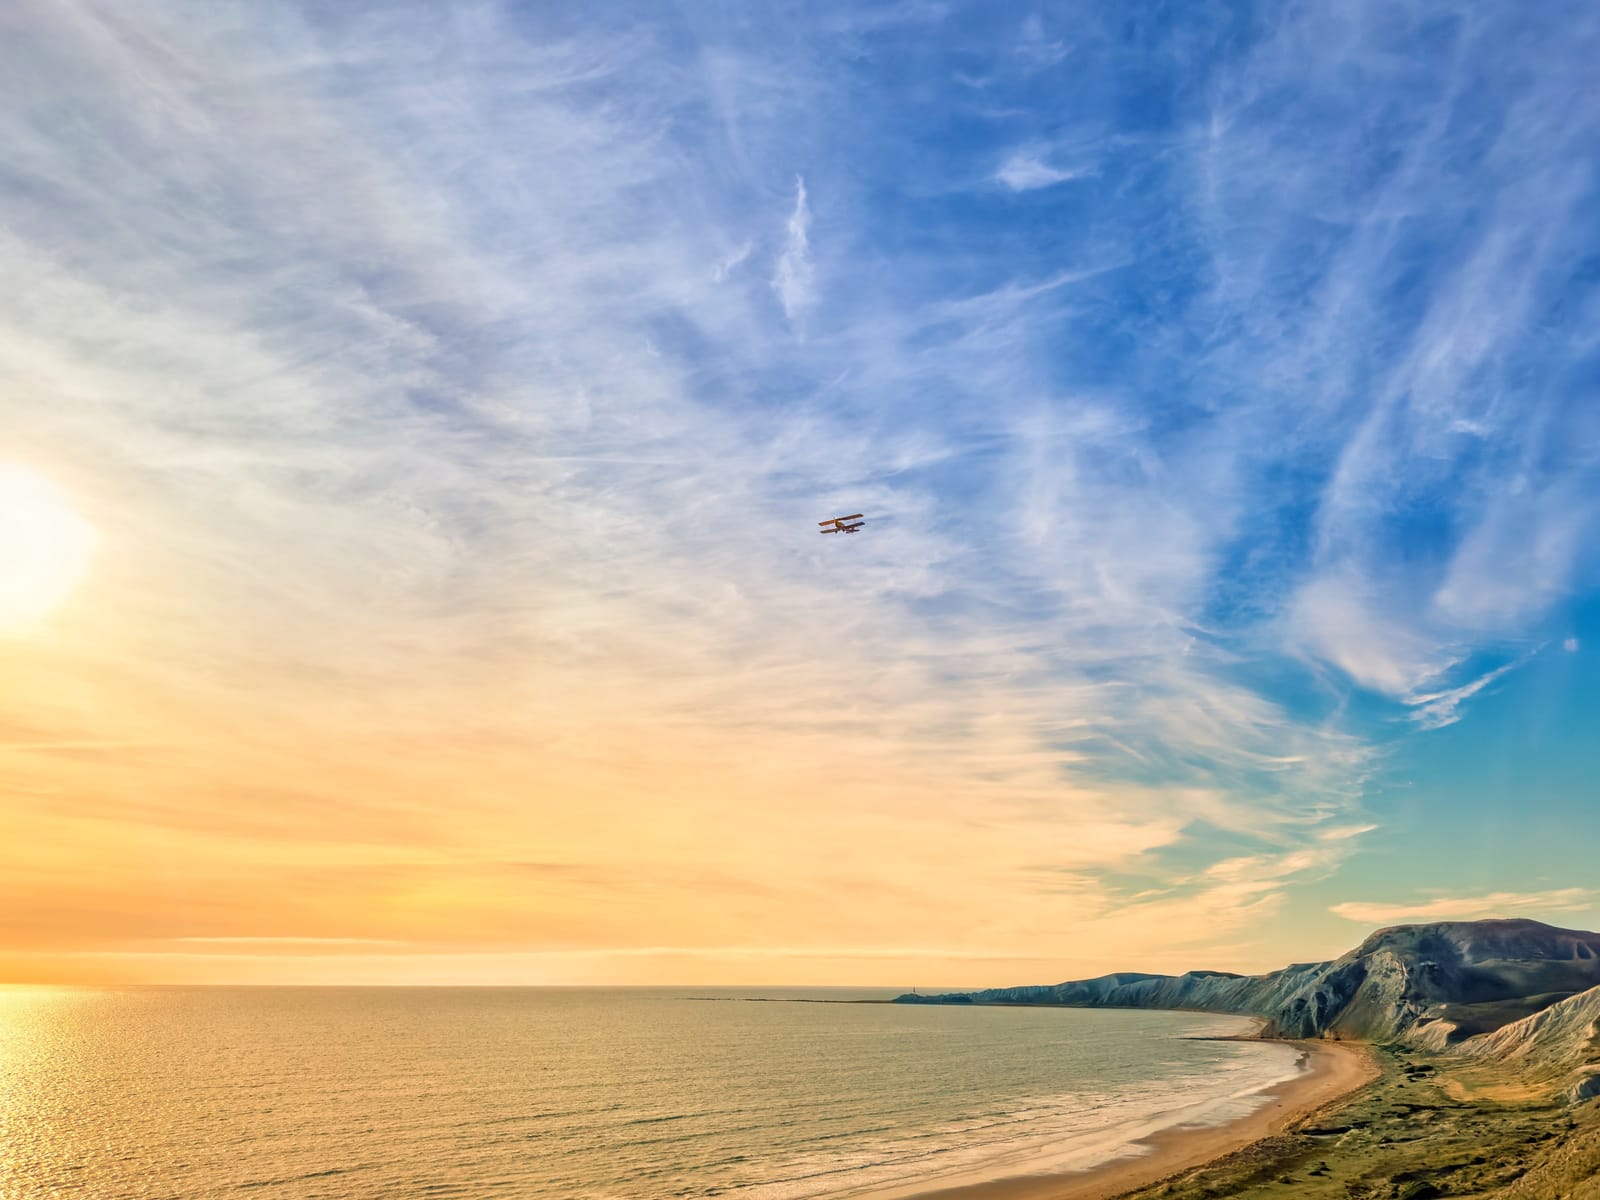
(1430, 1126)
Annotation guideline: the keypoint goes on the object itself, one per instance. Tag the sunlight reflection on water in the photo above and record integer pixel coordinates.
(305, 1093)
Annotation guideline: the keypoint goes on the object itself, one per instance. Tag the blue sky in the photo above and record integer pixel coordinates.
(454, 390)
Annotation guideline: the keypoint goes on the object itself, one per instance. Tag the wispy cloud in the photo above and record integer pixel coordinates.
(727, 265)
(1452, 512)
(794, 277)
(1037, 47)
(1025, 171)
(1471, 908)
(289, 940)
(1435, 710)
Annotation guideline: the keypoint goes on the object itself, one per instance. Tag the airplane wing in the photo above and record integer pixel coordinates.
(839, 520)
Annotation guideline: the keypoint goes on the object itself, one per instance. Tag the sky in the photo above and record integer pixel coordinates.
(417, 418)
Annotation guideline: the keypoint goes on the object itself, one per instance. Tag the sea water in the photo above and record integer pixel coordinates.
(568, 1094)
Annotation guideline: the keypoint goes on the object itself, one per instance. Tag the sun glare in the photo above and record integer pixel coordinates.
(44, 547)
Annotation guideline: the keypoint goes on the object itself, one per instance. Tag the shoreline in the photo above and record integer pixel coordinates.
(1333, 1071)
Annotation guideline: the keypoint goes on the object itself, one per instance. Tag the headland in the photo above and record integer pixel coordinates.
(1459, 1058)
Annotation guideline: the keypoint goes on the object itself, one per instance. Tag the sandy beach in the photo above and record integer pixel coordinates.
(1332, 1070)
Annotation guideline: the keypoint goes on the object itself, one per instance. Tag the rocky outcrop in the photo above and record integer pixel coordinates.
(1561, 1041)
(1427, 985)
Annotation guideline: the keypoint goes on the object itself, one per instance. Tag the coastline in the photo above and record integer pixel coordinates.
(1332, 1071)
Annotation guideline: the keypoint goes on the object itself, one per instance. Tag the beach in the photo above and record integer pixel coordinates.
(1331, 1071)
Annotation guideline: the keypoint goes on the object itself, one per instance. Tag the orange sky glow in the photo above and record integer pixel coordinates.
(418, 421)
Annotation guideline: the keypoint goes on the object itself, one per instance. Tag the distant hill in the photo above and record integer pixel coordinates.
(1431, 986)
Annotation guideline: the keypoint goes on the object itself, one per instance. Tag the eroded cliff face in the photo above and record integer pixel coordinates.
(1559, 1042)
(1428, 985)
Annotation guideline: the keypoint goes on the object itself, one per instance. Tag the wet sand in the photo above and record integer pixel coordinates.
(1333, 1070)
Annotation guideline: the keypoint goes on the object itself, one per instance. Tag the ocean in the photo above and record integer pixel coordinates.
(577, 1094)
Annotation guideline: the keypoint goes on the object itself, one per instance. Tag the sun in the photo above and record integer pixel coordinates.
(44, 548)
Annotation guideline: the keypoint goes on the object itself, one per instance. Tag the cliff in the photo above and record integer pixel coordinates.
(1433, 986)
(1561, 1041)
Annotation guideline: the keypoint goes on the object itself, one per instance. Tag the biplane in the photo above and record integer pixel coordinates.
(842, 524)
